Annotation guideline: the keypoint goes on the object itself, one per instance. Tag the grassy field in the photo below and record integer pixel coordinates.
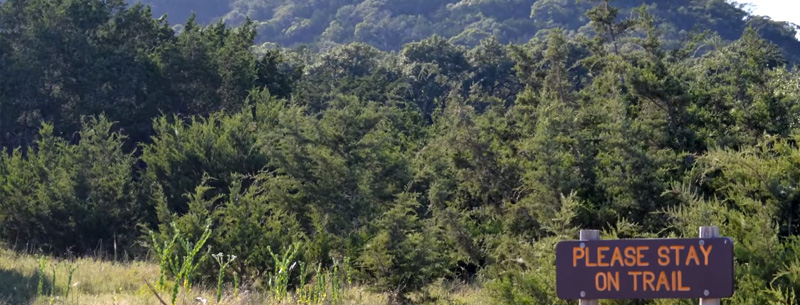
(101, 282)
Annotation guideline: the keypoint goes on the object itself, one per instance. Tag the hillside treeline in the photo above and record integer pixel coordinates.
(390, 24)
(434, 162)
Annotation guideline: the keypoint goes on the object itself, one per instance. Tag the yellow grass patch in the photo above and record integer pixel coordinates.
(98, 282)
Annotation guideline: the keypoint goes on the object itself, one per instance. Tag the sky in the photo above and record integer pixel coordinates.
(780, 10)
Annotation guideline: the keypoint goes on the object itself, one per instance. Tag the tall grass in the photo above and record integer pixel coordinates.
(98, 282)
(41, 272)
(326, 286)
(53, 286)
(40, 287)
(279, 281)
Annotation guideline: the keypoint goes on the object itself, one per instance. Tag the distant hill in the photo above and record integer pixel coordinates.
(388, 24)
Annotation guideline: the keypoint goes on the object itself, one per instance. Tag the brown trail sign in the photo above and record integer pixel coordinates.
(645, 269)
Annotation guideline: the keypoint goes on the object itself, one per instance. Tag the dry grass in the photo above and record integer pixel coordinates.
(100, 282)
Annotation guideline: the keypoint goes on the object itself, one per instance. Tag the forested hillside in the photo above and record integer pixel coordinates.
(442, 161)
(388, 25)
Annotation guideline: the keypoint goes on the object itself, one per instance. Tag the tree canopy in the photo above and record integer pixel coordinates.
(438, 140)
(388, 25)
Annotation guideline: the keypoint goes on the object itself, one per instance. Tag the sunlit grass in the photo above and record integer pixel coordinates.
(93, 282)
(102, 282)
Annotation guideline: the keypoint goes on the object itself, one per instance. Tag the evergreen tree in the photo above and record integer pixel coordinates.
(61, 197)
(404, 255)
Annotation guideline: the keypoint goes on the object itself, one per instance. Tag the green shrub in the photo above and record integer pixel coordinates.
(403, 255)
(78, 197)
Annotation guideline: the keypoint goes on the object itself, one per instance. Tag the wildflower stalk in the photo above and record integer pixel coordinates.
(192, 249)
(40, 288)
(223, 263)
(279, 282)
(70, 272)
(335, 284)
(235, 284)
(348, 271)
(53, 285)
(165, 254)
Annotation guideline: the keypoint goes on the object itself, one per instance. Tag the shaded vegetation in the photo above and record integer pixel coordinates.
(452, 158)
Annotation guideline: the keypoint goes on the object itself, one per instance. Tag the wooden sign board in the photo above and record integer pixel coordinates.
(645, 269)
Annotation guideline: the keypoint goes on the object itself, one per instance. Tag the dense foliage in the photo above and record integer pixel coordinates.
(389, 25)
(436, 161)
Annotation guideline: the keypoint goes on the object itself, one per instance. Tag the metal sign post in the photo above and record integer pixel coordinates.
(590, 235)
(709, 232)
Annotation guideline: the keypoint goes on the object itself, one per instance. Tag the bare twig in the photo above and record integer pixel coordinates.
(154, 292)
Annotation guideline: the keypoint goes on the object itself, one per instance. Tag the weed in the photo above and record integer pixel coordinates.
(70, 272)
(165, 255)
(184, 274)
(326, 285)
(348, 270)
(279, 282)
(40, 288)
(192, 249)
(189, 265)
(336, 284)
(235, 284)
(302, 293)
(223, 263)
(320, 286)
(53, 283)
